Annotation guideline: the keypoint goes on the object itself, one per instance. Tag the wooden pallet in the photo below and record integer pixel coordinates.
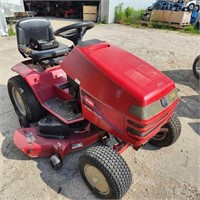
(25, 14)
(180, 26)
(170, 24)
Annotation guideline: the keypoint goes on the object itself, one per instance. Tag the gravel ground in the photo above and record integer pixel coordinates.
(167, 173)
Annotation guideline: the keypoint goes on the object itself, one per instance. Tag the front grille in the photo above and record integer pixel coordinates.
(133, 131)
(136, 129)
(141, 134)
(134, 124)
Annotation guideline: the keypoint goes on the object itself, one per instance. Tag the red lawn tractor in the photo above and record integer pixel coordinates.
(68, 98)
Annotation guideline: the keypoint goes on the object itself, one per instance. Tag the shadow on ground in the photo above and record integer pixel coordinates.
(188, 105)
(63, 181)
(8, 124)
(184, 77)
(68, 178)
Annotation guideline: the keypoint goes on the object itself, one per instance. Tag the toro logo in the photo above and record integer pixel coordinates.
(89, 101)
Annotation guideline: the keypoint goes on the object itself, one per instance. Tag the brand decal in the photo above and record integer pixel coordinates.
(164, 102)
(89, 101)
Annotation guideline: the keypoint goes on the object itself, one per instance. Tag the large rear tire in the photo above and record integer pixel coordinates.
(105, 172)
(23, 99)
(170, 135)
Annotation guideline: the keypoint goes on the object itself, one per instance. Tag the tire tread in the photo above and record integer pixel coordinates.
(174, 133)
(114, 168)
(34, 111)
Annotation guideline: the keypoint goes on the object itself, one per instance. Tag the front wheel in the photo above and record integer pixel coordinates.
(105, 172)
(169, 134)
(196, 67)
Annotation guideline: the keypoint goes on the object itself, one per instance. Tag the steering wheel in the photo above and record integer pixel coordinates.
(74, 32)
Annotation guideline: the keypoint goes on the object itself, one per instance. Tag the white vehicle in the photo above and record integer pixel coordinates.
(194, 4)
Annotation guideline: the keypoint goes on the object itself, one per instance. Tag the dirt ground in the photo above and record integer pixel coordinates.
(167, 173)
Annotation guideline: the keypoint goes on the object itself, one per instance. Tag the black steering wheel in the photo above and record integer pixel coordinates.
(74, 32)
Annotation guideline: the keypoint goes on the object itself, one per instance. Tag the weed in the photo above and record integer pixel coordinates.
(119, 13)
(10, 21)
(191, 29)
(128, 16)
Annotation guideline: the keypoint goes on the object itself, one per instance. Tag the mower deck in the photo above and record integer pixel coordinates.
(34, 145)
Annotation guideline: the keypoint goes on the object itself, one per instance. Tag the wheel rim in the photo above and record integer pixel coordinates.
(198, 67)
(161, 135)
(96, 179)
(18, 101)
(191, 7)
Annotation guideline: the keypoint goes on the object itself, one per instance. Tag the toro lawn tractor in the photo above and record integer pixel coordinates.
(68, 98)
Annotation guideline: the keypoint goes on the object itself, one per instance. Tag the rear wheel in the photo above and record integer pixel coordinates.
(105, 172)
(169, 134)
(196, 67)
(23, 122)
(23, 99)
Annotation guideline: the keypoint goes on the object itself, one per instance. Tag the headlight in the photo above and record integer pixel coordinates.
(154, 108)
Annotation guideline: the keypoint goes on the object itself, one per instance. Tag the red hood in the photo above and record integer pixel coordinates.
(131, 73)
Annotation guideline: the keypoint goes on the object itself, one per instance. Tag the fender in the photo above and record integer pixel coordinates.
(42, 82)
(22, 68)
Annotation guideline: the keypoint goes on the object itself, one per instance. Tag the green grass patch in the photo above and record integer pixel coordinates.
(160, 25)
(190, 29)
(128, 16)
(11, 31)
(10, 22)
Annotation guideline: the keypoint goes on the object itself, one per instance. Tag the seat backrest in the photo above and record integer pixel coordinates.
(37, 28)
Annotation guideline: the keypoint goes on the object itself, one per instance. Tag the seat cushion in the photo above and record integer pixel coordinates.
(45, 54)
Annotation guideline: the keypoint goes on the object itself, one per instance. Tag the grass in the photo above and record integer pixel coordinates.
(190, 29)
(130, 16)
(165, 26)
(11, 30)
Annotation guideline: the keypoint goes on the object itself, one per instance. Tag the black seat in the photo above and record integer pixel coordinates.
(39, 29)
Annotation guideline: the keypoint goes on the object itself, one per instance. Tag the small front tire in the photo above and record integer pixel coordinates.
(170, 134)
(105, 172)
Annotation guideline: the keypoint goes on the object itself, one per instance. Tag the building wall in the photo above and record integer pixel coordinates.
(3, 28)
(137, 4)
(104, 13)
(12, 6)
